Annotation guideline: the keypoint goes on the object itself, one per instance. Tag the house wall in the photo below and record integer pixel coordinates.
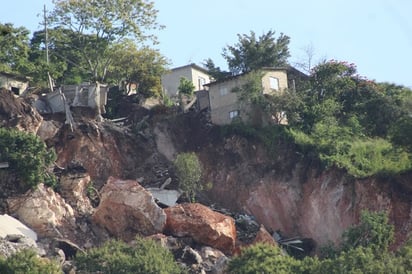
(280, 75)
(12, 84)
(222, 104)
(171, 80)
(223, 101)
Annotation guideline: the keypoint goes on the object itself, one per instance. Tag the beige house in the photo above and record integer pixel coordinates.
(13, 82)
(225, 105)
(171, 80)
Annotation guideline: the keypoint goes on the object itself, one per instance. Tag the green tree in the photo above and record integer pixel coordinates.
(189, 173)
(98, 24)
(185, 86)
(28, 262)
(215, 71)
(143, 66)
(28, 157)
(14, 44)
(143, 257)
(252, 53)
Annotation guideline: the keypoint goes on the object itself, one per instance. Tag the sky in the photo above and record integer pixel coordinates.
(376, 35)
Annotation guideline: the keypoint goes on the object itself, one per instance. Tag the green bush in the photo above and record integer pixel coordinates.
(360, 156)
(189, 173)
(28, 262)
(373, 231)
(144, 257)
(263, 258)
(28, 157)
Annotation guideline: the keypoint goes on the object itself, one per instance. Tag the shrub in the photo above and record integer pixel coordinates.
(372, 231)
(28, 157)
(28, 262)
(189, 173)
(144, 257)
(263, 258)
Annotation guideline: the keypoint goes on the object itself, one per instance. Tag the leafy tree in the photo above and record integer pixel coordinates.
(66, 64)
(186, 86)
(14, 44)
(252, 53)
(189, 173)
(98, 24)
(28, 157)
(145, 257)
(28, 262)
(143, 66)
(214, 71)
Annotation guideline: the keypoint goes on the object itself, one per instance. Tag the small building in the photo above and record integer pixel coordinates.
(225, 104)
(171, 80)
(14, 82)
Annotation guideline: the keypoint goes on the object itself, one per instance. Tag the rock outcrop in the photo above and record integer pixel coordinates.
(127, 209)
(73, 187)
(44, 211)
(204, 225)
(263, 236)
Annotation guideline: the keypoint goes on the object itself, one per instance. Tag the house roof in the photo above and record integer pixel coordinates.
(289, 69)
(15, 76)
(192, 65)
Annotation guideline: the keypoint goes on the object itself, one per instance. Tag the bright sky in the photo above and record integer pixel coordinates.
(376, 35)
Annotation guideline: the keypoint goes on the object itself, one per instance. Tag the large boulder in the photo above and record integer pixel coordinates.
(44, 211)
(127, 209)
(204, 225)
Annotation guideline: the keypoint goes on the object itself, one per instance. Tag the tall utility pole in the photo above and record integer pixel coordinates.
(46, 35)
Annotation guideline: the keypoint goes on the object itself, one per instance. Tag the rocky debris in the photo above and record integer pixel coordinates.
(73, 188)
(15, 236)
(166, 197)
(263, 236)
(44, 211)
(204, 225)
(127, 209)
(16, 113)
(49, 129)
(204, 259)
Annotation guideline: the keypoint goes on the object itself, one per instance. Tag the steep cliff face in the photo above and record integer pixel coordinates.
(301, 200)
(280, 189)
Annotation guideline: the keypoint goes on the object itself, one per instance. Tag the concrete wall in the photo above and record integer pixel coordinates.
(171, 80)
(15, 85)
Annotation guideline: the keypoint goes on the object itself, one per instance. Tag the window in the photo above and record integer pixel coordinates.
(201, 81)
(233, 114)
(223, 91)
(274, 83)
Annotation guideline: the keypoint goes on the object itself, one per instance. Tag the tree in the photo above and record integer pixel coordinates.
(252, 52)
(14, 44)
(189, 173)
(186, 86)
(214, 71)
(143, 66)
(144, 256)
(98, 24)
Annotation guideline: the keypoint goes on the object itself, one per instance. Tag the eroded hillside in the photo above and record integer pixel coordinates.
(283, 190)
